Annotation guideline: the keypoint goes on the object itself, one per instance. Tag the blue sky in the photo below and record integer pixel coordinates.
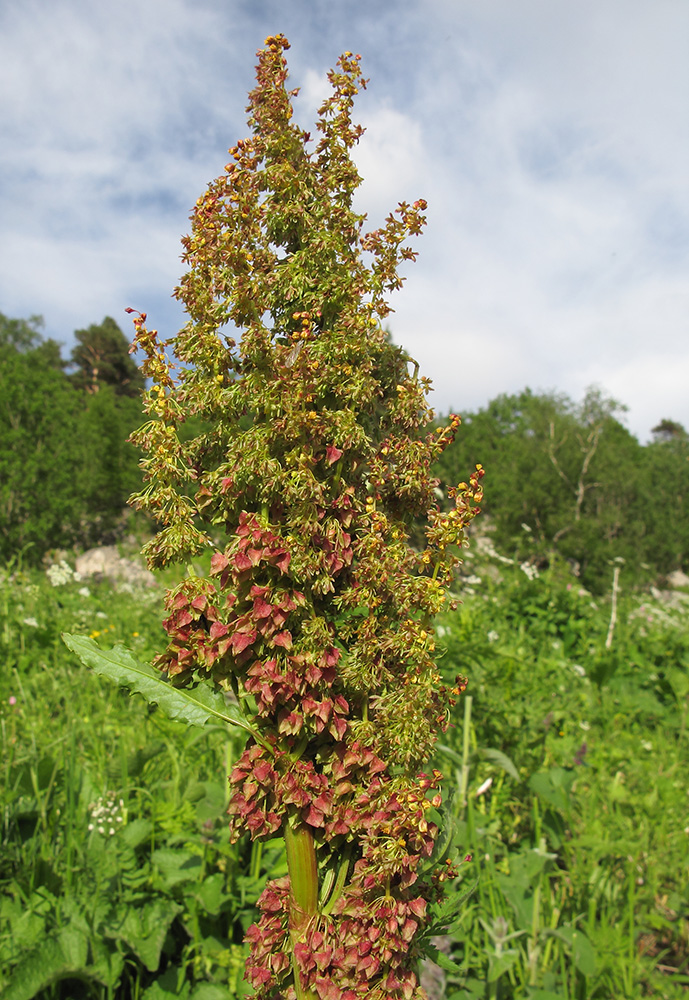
(549, 137)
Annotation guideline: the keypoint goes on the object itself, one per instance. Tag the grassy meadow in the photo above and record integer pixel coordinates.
(565, 782)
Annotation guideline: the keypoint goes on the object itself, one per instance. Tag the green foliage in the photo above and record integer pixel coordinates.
(195, 707)
(21, 334)
(579, 853)
(570, 480)
(666, 465)
(108, 471)
(580, 858)
(39, 452)
(101, 357)
(66, 469)
(116, 872)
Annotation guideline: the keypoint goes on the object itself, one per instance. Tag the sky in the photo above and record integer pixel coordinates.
(550, 139)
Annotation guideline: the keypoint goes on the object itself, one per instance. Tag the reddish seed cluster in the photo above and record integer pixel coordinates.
(368, 936)
(363, 950)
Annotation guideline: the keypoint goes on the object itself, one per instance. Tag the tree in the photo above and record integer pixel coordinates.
(109, 472)
(66, 469)
(669, 430)
(21, 334)
(317, 616)
(666, 470)
(26, 335)
(40, 504)
(567, 479)
(101, 357)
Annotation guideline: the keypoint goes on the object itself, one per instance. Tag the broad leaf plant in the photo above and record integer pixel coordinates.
(313, 630)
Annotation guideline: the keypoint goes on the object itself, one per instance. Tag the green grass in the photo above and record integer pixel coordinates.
(580, 849)
(582, 855)
(118, 879)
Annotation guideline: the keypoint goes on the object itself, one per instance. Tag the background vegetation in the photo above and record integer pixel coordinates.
(564, 765)
(66, 468)
(565, 778)
(565, 479)
(569, 479)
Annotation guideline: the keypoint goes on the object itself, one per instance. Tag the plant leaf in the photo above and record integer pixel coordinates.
(447, 911)
(441, 959)
(582, 950)
(196, 706)
(144, 930)
(54, 959)
(500, 759)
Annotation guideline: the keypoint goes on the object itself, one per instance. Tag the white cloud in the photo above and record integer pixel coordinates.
(550, 141)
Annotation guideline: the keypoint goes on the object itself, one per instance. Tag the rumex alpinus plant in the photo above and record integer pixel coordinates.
(315, 622)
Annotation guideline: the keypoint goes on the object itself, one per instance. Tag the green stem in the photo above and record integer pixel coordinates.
(303, 901)
(339, 883)
(466, 750)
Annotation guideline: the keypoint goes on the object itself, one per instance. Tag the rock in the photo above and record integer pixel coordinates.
(432, 976)
(432, 980)
(106, 562)
(677, 579)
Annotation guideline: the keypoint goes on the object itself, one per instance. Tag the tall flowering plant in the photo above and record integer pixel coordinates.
(315, 623)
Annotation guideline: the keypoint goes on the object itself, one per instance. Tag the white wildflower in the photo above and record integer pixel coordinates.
(59, 573)
(578, 669)
(31, 622)
(528, 570)
(492, 636)
(107, 812)
(84, 592)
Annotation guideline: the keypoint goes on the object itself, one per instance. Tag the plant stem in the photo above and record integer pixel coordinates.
(303, 900)
(466, 747)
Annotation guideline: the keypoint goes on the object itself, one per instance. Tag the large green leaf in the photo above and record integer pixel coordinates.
(144, 929)
(196, 706)
(55, 958)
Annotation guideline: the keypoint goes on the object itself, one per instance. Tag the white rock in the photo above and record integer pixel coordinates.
(105, 561)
